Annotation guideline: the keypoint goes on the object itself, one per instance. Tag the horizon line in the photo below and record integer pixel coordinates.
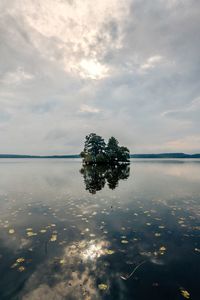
(2, 155)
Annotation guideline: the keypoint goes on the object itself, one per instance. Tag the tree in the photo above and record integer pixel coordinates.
(115, 152)
(97, 152)
(94, 147)
(123, 154)
(112, 149)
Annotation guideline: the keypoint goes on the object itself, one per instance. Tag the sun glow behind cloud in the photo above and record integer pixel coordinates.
(75, 32)
(92, 69)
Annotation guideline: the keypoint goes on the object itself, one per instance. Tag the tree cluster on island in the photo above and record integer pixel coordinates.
(96, 151)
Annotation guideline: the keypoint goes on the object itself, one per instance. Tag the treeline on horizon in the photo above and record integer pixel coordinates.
(151, 155)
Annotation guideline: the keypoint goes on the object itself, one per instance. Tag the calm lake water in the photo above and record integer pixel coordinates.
(120, 233)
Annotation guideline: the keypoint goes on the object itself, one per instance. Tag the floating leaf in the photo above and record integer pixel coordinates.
(102, 286)
(20, 260)
(62, 261)
(14, 265)
(53, 238)
(43, 230)
(161, 227)
(110, 252)
(181, 222)
(30, 233)
(21, 269)
(11, 231)
(162, 248)
(124, 241)
(157, 234)
(197, 250)
(185, 293)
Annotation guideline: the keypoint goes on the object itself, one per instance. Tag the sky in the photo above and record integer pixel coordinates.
(128, 68)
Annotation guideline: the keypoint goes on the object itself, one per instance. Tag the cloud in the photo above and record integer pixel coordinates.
(151, 62)
(88, 109)
(16, 77)
(92, 69)
(66, 283)
(192, 107)
(70, 68)
(188, 143)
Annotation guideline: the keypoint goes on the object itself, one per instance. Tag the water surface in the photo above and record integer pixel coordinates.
(119, 233)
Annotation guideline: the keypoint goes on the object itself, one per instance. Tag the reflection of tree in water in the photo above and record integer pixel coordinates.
(95, 176)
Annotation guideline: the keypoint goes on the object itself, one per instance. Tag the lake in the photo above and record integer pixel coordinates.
(69, 232)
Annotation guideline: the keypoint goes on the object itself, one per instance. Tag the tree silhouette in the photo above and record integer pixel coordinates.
(96, 176)
(97, 152)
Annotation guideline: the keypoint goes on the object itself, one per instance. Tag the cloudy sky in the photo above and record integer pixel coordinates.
(127, 68)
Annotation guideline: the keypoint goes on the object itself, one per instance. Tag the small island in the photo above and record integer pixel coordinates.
(96, 151)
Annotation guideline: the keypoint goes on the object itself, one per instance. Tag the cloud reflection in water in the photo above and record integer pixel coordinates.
(68, 282)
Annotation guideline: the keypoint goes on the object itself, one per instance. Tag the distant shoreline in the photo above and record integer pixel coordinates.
(153, 156)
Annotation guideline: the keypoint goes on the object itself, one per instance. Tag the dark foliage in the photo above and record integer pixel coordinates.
(97, 152)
